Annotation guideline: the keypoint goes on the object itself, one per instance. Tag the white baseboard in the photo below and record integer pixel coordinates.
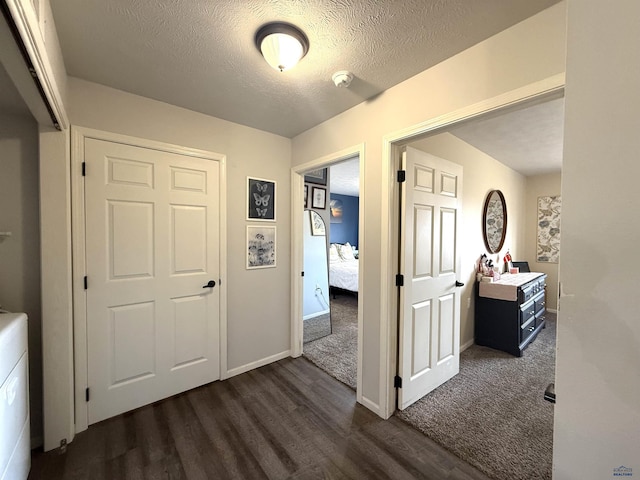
(371, 405)
(314, 315)
(466, 345)
(257, 364)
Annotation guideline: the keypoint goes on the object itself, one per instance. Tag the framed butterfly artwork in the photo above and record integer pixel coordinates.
(261, 199)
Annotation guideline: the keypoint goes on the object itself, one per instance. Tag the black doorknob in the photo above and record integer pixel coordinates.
(459, 284)
(210, 284)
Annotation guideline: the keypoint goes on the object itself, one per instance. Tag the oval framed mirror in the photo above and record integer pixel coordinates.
(494, 221)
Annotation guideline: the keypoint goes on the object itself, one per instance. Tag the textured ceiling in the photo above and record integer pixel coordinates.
(200, 54)
(344, 177)
(529, 140)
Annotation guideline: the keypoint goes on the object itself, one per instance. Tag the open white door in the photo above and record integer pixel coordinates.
(152, 244)
(429, 337)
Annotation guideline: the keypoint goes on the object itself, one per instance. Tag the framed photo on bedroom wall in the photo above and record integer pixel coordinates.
(318, 176)
(319, 198)
(261, 199)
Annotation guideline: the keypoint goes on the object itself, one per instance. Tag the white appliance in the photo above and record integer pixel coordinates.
(15, 443)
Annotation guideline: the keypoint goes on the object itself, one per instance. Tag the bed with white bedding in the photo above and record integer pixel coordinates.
(343, 268)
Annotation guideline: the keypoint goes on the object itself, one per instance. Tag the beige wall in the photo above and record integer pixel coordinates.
(525, 53)
(539, 186)
(597, 417)
(20, 253)
(253, 335)
(481, 174)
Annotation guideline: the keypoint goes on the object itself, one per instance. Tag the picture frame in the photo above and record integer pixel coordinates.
(261, 246)
(319, 198)
(306, 196)
(317, 224)
(261, 199)
(548, 232)
(318, 176)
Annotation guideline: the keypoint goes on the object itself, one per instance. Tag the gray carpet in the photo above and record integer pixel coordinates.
(337, 354)
(316, 328)
(492, 414)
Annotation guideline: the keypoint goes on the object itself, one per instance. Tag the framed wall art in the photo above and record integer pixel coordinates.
(548, 239)
(261, 199)
(319, 198)
(261, 246)
(306, 196)
(317, 224)
(318, 176)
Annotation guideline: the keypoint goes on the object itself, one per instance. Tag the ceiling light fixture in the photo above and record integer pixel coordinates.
(282, 45)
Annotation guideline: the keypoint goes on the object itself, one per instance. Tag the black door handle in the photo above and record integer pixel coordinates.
(210, 284)
(459, 284)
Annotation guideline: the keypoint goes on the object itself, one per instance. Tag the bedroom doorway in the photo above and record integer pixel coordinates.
(330, 192)
(456, 414)
(333, 349)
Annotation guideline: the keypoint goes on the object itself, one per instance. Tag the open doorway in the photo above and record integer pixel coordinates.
(320, 189)
(479, 413)
(333, 347)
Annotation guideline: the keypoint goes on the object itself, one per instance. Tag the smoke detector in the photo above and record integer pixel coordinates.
(342, 78)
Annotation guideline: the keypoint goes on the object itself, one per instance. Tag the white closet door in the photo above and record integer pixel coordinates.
(152, 243)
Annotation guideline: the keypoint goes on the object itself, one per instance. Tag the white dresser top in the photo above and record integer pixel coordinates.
(507, 287)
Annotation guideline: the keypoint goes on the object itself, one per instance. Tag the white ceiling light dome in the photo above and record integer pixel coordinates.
(282, 45)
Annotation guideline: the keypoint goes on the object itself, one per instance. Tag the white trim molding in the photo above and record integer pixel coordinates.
(297, 208)
(30, 27)
(257, 364)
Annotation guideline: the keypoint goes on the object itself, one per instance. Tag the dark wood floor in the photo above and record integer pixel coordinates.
(286, 420)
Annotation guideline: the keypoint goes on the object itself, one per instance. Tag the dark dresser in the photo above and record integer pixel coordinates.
(510, 312)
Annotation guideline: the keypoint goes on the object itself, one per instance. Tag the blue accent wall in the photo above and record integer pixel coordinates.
(347, 230)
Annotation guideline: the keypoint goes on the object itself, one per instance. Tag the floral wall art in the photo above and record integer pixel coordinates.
(261, 246)
(548, 246)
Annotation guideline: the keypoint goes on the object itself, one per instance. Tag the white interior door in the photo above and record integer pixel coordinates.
(429, 338)
(152, 243)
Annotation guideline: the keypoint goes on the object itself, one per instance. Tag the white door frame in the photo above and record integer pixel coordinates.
(552, 87)
(297, 208)
(78, 136)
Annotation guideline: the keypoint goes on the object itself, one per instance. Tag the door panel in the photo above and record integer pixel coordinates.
(189, 239)
(133, 347)
(152, 242)
(130, 239)
(421, 348)
(429, 260)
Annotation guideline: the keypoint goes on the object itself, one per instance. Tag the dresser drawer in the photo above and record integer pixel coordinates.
(539, 303)
(527, 329)
(527, 311)
(527, 292)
